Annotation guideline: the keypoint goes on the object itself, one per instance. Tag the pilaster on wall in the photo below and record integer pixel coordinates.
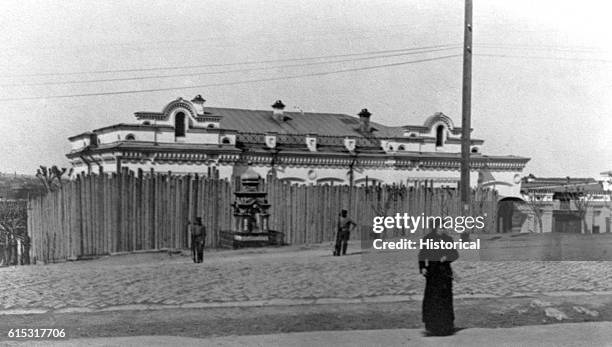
(589, 218)
(547, 219)
(530, 224)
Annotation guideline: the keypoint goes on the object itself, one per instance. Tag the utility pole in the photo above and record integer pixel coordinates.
(466, 107)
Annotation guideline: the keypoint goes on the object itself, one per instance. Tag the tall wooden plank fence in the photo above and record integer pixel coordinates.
(102, 214)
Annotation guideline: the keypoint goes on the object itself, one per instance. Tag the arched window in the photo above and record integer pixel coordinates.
(440, 136)
(211, 125)
(330, 181)
(130, 137)
(401, 148)
(226, 141)
(474, 149)
(146, 123)
(292, 180)
(179, 124)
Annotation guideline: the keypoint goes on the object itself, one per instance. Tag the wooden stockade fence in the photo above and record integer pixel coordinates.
(102, 214)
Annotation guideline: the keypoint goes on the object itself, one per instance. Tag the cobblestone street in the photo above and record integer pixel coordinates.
(259, 275)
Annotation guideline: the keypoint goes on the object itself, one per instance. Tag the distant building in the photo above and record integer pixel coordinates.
(556, 188)
(606, 180)
(298, 147)
(561, 201)
(19, 187)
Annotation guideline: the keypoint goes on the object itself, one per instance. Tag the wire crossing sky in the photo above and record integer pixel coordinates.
(413, 49)
(287, 77)
(196, 73)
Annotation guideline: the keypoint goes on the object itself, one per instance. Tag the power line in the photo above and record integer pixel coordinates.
(447, 46)
(234, 82)
(542, 57)
(316, 34)
(231, 64)
(222, 72)
(582, 49)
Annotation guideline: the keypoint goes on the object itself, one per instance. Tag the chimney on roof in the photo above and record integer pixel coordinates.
(277, 111)
(364, 121)
(198, 103)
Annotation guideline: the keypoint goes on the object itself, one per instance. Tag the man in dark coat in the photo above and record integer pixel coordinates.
(434, 264)
(3, 249)
(345, 225)
(198, 238)
(25, 250)
(13, 255)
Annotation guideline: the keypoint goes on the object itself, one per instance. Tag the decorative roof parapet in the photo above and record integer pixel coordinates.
(149, 115)
(439, 117)
(208, 117)
(180, 102)
(299, 139)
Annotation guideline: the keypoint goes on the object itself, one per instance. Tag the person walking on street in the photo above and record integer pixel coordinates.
(3, 249)
(25, 250)
(13, 251)
(198, 238)
(345, 226)
(434, 264)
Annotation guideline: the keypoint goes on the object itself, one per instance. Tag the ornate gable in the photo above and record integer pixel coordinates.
(439, 117)
(179, 103)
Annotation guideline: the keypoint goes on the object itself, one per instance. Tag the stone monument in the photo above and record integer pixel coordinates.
(251, 213)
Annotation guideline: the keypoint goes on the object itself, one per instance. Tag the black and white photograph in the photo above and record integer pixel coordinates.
(305, 173)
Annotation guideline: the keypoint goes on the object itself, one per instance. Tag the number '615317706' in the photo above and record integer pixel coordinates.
(37, 333)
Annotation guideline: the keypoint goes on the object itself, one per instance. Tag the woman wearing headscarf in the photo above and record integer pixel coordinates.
(435, 265)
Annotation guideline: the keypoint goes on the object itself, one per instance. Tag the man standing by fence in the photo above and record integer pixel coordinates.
(3, 249)
(198, 238)
(345, 225)
(13, 256)
(25, 250)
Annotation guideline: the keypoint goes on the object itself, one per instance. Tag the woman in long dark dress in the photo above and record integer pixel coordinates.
(434, 264)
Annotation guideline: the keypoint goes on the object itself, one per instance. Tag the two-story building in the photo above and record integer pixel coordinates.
(299, 147)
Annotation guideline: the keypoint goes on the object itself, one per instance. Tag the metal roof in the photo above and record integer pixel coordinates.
(261, 121)
(322, 124)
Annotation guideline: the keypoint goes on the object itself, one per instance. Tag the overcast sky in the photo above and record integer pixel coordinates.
(548, 96)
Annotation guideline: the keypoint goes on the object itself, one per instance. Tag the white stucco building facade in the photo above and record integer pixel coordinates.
(307, 148)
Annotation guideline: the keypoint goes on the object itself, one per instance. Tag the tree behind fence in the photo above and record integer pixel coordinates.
(102, 214)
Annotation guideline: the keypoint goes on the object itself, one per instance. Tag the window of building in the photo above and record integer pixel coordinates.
(179, 124)
(130, 137)
(292, 180)
(226, 141)
(211, 125)
(330, 181)
(94, 141)
(474, 149)
(146, 123)
(440, 136)
(401, 148)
